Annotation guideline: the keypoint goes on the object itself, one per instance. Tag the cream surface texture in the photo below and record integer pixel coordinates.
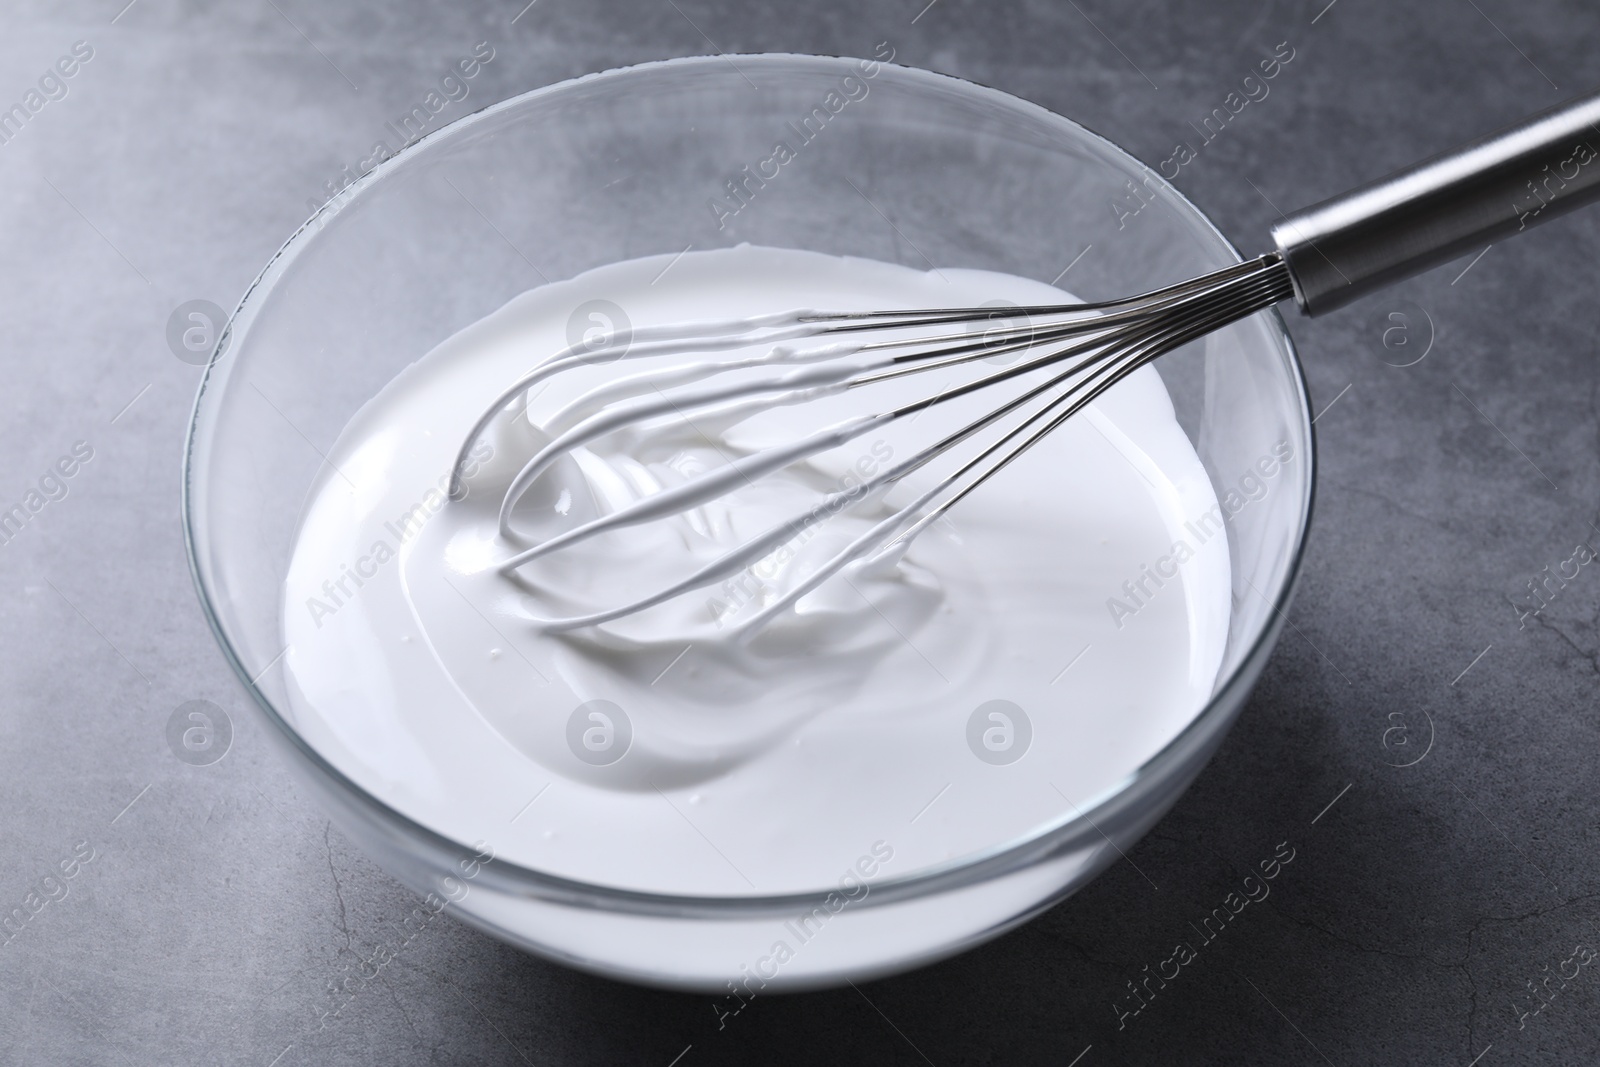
(1017, 660)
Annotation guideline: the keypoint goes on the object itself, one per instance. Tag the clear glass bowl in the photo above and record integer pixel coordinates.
(889, 163)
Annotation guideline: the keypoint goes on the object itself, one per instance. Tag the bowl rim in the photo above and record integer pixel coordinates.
(1056, 836)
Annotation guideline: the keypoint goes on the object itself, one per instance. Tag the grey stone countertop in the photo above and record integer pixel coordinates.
(1423, 900)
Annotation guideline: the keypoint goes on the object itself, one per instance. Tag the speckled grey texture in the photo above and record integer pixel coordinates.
(219, 908)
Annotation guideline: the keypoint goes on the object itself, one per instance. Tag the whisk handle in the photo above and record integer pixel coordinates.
(1530, 172)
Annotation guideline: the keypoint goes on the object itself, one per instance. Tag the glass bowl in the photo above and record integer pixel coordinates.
(886, 162)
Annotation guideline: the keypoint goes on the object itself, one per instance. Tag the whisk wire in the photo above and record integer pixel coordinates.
(1100, 343)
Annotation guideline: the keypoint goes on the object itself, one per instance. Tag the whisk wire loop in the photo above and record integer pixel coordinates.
(1081, 350)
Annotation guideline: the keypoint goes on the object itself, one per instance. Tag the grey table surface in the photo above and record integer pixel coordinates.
(1425, 901)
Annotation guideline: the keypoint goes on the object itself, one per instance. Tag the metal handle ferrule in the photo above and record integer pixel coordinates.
(1525, 174)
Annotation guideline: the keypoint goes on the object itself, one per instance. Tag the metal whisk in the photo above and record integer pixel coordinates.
(1066, 355)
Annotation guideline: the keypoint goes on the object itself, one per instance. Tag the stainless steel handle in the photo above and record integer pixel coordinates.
(1417, 218)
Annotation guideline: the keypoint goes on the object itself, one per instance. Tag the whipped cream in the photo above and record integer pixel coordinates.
(939, 701)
